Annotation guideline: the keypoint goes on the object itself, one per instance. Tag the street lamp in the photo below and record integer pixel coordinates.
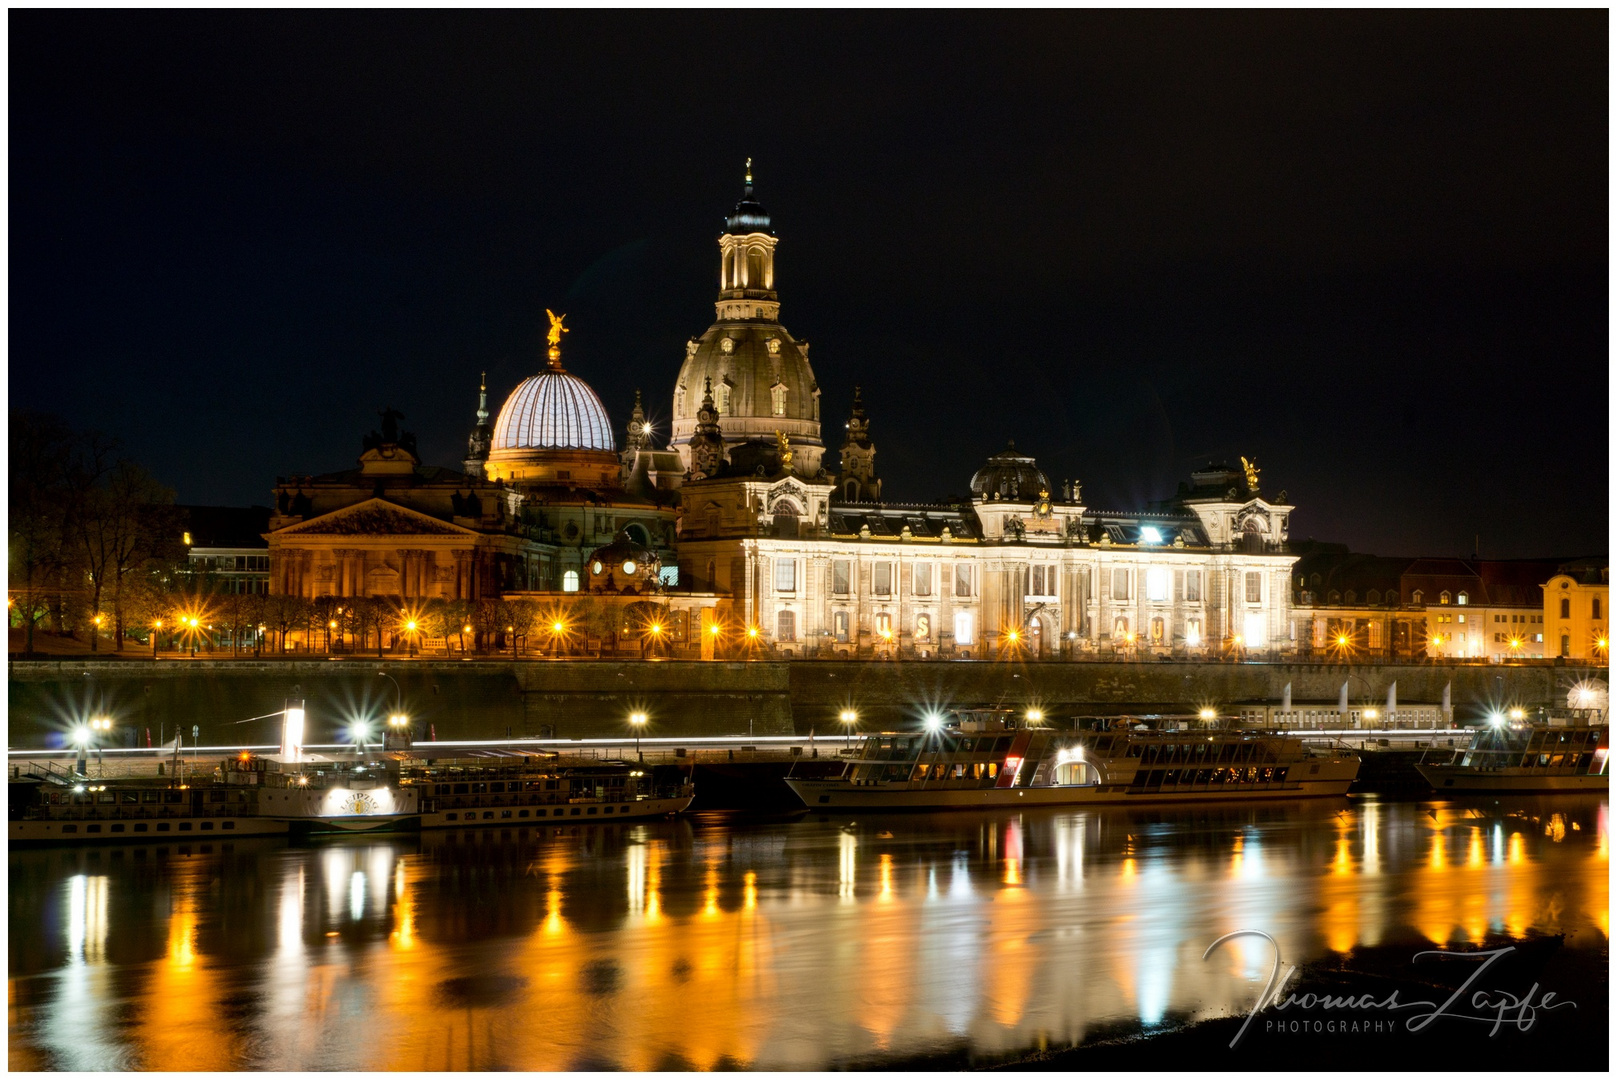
(95, 638)
(409, 635)
(512, 631)
(637, 720)
(157, 626)
(398, 696)
(100, 727)
(849, 719)
(1035, 716)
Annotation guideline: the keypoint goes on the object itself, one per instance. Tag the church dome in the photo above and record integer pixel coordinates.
(1009, 477)
(553, 411)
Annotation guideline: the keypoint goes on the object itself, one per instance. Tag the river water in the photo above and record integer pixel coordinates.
(714, 942)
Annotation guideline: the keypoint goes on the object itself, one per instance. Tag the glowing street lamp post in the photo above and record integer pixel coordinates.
(849, 720)
(157, 628)
(637, 720)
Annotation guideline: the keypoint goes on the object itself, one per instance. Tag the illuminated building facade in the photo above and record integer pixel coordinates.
(1577, 606)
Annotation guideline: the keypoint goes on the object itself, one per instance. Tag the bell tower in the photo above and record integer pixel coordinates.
(747, 261)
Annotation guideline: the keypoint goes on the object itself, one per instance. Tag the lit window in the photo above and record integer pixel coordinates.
(839, 576)
(569, 581)
(923, 579)
(1443, 597)
(777, 399)
(723, 401)
(1156, 583)
(1120, 584)
(1150, 534)
(839, 625)
(962, 580)
(1193, 585)
(1257, 633)
(1193, 632)
(1254, 587)
(884, 623)
(785, 575)
(1464, 598)
(786, 626)
(882, 579)
(963, 628)
(923, 627)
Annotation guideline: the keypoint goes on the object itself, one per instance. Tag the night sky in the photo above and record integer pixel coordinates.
(1368, 249)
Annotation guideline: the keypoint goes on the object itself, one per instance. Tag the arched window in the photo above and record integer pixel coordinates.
(569, 581)
(722, 399)
(712, 575)
(1566, 610)
(637, 532)
(787, 518)
(777, 399)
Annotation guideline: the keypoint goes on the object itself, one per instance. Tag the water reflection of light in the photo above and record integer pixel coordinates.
(637, 878)
(886, 893)
(1372, 838)
(960, 878)
(1439, 857)
(1013, 852)
(1555, 828)
(356, 895)
(403, 910)
(553, 922)
(749, 891)
(379, 867)
(87, 919)
(710, 895)
(1473, 854)
(847, 864)
(1497, 842)
(1516, 854)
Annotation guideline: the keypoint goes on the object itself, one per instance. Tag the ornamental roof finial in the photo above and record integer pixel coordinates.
(749, 172)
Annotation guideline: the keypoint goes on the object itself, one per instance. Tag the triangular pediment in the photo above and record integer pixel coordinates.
(375, 517)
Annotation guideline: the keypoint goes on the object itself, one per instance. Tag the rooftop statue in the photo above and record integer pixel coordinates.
(556, 328)
(1252, 471)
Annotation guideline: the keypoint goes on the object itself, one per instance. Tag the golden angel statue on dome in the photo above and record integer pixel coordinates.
(783, 447)
(556, 328)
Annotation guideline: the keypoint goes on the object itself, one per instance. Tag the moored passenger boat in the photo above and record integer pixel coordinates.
(1564, 753)
(494, 791)
(999, 763)
(244, 797)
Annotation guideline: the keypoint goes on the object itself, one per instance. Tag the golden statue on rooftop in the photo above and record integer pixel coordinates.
(784, 446)
(556, 328)
(1252, 471)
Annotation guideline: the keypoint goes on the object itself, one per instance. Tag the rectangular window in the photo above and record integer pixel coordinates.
(962, 581)
(1120, 584)
(882, 579)
(839, 626)
(923, 579)
(1254, 587)
(1193, 586)
(1193, 632)
(785, 575)
(1257, 635)
(839, 577)
(1156, 583)
(786, 626)
(963, 628)
(1566, 608)
(1597, 607)
(923, 626)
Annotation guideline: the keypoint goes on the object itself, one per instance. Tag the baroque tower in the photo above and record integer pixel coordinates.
(857, 481)
(477, 444)
(760, 375)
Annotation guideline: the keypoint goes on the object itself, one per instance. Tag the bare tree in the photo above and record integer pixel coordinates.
(38, 552)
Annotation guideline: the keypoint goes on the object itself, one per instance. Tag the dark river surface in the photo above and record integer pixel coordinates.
(714, 942)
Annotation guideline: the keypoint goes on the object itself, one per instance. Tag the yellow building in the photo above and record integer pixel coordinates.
(1576, 603)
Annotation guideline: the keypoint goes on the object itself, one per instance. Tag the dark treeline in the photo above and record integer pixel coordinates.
(94, 540)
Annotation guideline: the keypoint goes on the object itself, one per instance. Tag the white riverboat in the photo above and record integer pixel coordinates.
(986, 762)
(244, 797)
(1565, 752)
